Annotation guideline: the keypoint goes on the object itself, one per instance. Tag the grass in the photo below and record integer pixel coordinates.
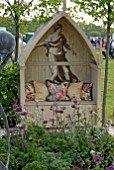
(110, 89)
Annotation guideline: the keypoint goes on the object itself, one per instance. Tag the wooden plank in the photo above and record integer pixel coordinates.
(74, 63)
(62, 103)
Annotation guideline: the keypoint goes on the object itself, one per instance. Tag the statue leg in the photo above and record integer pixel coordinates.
(54, 72)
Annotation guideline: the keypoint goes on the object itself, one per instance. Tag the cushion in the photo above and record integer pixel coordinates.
(86, 93)
(57, 91)
(74, 90)
(41, 91)
(29, 91)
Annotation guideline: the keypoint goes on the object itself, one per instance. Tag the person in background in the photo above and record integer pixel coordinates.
(21, 43)
(112, 49)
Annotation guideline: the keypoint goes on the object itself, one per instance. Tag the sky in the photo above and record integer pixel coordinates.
(88, 19)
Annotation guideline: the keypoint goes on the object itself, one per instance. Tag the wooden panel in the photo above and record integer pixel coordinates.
(36, 115)
(79, 59)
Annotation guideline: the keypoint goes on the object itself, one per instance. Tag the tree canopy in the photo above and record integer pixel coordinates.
(18, 10)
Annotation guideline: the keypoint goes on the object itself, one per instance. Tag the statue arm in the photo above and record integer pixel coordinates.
(45, 42)
(67, 46)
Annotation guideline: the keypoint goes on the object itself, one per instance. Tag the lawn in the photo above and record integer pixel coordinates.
(110, 90)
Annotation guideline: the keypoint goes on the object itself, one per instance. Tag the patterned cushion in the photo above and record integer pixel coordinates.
(86, 93)
(57, 91)
(74, 90)
(29, 91)
(41, 91)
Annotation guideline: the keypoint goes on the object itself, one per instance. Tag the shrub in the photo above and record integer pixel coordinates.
(13, 165)
(9, 91)
(35, 165)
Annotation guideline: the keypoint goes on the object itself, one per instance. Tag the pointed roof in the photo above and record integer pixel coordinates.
(45, 27)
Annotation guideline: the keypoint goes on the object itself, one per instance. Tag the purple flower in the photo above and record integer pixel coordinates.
(111, 168)
(45, 121)
(23, 147)
(22, 126)
(19, 134)
(61, 111)
(11, 130)
(63, 108)
(15, 106)
(18, 109)
(42, 109)
(56, 111)
(97, 158)
(73, 106)
(23, 113)
(75, 101)
(90, 111)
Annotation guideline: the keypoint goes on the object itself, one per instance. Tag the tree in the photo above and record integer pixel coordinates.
(18, 9)
(100, 9)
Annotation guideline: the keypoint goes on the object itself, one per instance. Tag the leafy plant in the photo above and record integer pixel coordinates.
(13, 162)
(61, 150)
(35, 166)
(9, 91)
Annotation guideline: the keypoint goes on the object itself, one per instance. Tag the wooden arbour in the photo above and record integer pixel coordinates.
(85, 63)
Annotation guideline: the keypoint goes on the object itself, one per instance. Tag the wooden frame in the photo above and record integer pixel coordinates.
(34, 63)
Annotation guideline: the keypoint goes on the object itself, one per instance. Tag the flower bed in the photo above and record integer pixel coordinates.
(77, 148)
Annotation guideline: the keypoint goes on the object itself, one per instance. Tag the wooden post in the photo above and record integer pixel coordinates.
(22, 77)
(64, 5)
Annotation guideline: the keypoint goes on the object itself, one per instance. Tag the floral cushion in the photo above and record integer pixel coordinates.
(57, 91)
(74, 90)
(29, 91)
(86, 93)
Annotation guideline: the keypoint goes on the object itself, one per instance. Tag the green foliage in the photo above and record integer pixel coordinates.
(40, 148)
(13, 165)
(9, 86)
(91, 28)
(9, 91)
(95, 33)
(98, 9)
(35, 166)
